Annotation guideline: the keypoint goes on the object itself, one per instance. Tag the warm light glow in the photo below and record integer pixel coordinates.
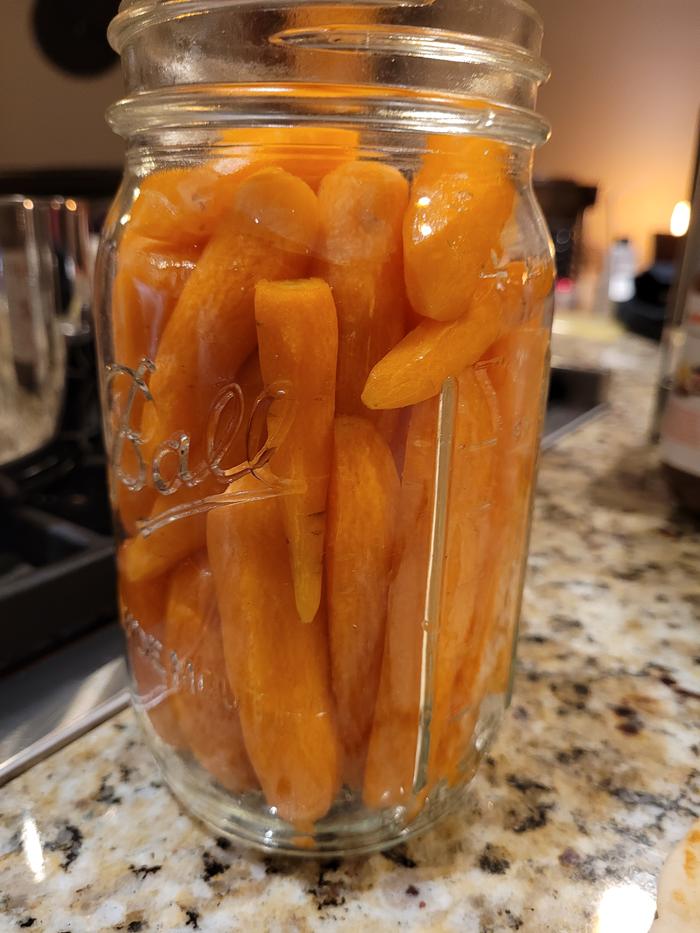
(71, 205)
(626, 908)
(28, 204)
(680, 218)
(33, 852)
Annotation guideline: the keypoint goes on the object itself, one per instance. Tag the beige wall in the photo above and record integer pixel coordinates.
(623, 101)
(46, 117)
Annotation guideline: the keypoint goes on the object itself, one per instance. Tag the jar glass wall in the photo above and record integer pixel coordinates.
(324, 316)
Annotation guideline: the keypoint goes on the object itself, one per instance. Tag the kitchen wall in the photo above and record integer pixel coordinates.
(623, 101)
(48, 118)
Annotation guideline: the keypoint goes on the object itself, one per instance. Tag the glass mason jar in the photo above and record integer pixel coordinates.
(323, 305)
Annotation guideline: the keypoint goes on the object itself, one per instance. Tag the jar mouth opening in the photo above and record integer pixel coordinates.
(381, 110)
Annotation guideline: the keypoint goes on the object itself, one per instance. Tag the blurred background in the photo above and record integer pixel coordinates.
(623, 104)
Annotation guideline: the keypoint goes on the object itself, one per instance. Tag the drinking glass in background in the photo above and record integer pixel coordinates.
(45, 282)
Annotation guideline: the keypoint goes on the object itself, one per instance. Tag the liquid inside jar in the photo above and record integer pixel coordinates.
(324, 401)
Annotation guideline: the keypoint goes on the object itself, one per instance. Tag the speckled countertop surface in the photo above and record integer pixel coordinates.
(595, 775)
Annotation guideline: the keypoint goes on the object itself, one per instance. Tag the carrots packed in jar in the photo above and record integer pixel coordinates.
(325, 345)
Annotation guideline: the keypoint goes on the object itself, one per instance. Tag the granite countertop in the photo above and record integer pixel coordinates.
(595, 774)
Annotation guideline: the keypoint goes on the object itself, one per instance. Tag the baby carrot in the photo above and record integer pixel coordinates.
(149, 279)
(516, 366)
(361, 206)
(393, 740)
(147, 555)
(268, 232)
(142, 609)
(309, 152)
(471, 519)
(362, 506)
(298, 340)
(520, 384)
(460, 201)
(182, 207)
(278, 669)
(206, 715)
(432, 352)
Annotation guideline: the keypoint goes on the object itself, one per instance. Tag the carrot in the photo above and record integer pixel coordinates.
(520, 389)
(148, 555)
(396, 743)
(278, 670)
(206, 715)
(416, 368)
(309, 152)
(362, 506)
(142, 609)
(182, 207)
(151, 553)
(432, 352)
(298, 338)
(336, 65)
(149, 279)
(460, 201)
(268, 232)
(391, 754)
(361, 207)
(516, 366)
(471, 521)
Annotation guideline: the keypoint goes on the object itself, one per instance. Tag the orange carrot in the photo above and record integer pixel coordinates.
(394, 744)
(520, 389)
(416, 368)
(460, 201)
(432, 352)
(471, 518)
(152, 553)
(362, 206)
(268, 232)
(182, 207)
(149, 279)
(142, 609)
(516, 365)
(204, 706)
(328, 65)
(309, 152)
(362, 507)
(160, 543)
(393, 740)
(278, 670)
(298, 337)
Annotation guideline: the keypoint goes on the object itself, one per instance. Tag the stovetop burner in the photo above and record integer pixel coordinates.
(57, 573)
(57, 580)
